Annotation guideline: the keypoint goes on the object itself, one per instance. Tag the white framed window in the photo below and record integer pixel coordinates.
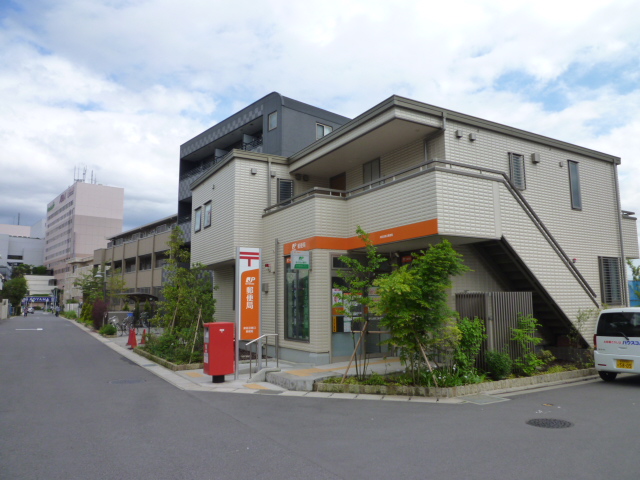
(285, 189)
(516, 170)
(610, 280)
(207, 215)
(272, 121)
(197, 219)
(322, 130)
(574, 185)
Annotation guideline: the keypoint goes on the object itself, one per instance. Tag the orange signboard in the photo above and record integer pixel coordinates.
(390, 235)
(248, 288)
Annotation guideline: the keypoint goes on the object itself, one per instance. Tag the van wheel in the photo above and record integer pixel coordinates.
(608, 376)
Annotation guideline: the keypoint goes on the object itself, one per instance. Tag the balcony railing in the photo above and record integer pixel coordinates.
(343, 194)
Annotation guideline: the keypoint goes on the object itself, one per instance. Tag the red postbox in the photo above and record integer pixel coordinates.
(219, 350)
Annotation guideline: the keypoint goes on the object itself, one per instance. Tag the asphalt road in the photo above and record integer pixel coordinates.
(71, 408)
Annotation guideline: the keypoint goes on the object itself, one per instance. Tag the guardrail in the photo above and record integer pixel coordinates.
(258, 343)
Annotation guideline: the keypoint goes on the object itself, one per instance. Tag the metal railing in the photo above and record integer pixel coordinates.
(258, 343)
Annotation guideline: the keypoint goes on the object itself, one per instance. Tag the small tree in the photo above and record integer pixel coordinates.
(21, 270)
(524, 335)
(188, 303)
(15, 290)
(90, 285)
(413, 300)
(635, 276)
(355, 297)
(115, 285)
(472, 334)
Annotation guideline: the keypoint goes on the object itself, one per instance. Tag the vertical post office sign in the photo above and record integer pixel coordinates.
(248, 292)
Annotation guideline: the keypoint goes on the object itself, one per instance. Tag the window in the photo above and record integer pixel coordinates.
(197, 220)
(130, 265)
(371, 171)
(322, 130)
(619, 324)
(516, 170)
(574, 185)
(285, 189)
(207, 215)
(145, 263)
(273, 121)
(161, 259)
(296, 299)
(610, 280)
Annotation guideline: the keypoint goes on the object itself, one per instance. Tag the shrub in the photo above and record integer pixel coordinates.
(98, 313)
(108, 330)
(70, 315)
(499, 364)
(471, 337)
(525, 336)
(173, 348)
(86, 316)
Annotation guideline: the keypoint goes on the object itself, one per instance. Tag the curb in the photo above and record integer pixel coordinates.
(451, 392)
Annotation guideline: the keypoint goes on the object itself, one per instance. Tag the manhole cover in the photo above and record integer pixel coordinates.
(126, 382)
(549, 423)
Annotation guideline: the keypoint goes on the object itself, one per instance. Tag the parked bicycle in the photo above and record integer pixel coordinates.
(122, 326)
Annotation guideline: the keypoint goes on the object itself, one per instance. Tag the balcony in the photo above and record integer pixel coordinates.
(186, 179)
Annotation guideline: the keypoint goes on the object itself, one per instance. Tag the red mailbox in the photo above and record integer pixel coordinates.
(219, 350)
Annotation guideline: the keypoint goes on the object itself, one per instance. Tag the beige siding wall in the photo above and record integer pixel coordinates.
(223, 278)
(400, 159)
(403, 203)
(131, 250)
(584, 234)
(478, 279)
(250, 202)
(144, 279)
(162, 241)
(436, 148)
(130, 280)
(465, 206)
(216, 243)
(630, 236)
(145, 246)
(156, 278)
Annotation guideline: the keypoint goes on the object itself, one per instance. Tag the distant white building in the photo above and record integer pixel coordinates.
(40, 289)
(79, 221)
(21, 244)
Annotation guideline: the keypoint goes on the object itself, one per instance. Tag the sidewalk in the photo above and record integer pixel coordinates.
(288, 379)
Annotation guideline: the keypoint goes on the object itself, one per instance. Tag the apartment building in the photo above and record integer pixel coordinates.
(138, 255)
(78, 267)
(79, 220)
(529, 214)
(274, 125)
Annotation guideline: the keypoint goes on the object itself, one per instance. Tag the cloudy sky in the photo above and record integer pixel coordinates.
(115, 86)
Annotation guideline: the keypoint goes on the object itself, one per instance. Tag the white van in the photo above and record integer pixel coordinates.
(617, 342)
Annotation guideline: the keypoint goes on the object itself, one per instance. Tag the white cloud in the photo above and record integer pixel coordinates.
(119, 85)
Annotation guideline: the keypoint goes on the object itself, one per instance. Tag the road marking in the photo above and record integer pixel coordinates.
(31, 329)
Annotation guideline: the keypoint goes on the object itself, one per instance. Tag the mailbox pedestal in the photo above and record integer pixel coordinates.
(219, 350)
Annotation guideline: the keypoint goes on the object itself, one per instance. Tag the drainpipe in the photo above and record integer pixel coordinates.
(275, 288)
(623, 274)
(268, 182)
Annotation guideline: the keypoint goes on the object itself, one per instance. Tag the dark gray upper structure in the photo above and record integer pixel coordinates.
(274, 125)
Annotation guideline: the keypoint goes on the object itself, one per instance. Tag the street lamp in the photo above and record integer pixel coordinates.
(102, 277)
